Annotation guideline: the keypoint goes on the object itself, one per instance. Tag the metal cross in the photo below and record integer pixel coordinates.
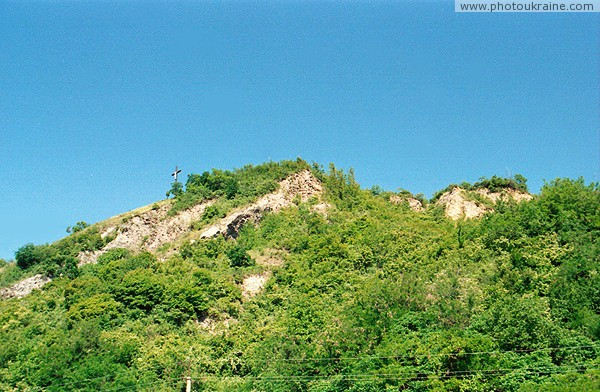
(176, 172)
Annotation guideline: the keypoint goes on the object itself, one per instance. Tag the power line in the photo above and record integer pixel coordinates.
(356, 358)
(92, 379)
(407, 374)
(427, 354)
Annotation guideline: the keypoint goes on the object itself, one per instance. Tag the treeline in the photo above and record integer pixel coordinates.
(368, 296)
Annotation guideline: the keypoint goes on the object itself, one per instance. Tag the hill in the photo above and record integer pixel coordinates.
(287, 277)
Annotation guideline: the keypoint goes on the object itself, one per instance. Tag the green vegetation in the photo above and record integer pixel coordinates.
(369, 297)
(77, 227)
(238, 186)
(57, 259)
(10, 273)
(176, 189)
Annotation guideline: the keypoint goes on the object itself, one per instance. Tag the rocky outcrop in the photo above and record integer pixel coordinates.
(152, 228)
(413, 204)
(301, 186)
(156, 228)
(148, 230)
(458, 204)
(505, 195)
(24, 287)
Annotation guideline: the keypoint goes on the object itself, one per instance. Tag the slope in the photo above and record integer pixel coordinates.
(370, 296)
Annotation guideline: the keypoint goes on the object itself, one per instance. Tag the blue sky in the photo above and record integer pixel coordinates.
(100, 100)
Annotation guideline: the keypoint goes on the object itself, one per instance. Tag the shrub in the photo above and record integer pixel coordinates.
(238, 257)
(10, 273)
(497, 184)
(518, 323)
(83, 287)
(212, 212)
(494, 184)
(140, 289)
(176, 189)
(99, 306)
(113, 255)
(29, 255)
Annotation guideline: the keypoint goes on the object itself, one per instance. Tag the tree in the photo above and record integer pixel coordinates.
(29, 255)
(521, 182)
(176, 189)
(77, 227)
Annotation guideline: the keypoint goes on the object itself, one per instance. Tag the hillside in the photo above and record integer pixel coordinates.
(287, 277)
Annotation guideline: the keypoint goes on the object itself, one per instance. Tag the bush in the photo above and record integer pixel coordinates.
(61, 265)
(99, 306)
(176, 189)
(10, 273)
(113, 255)
(29, 255)
(140, 289)
(185, 300)
(238, 257)
(518, 324)
(497, 184)
(212, 212)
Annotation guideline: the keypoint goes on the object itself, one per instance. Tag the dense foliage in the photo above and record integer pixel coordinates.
(370, 296)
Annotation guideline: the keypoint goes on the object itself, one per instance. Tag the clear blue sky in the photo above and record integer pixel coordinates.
(100, 100)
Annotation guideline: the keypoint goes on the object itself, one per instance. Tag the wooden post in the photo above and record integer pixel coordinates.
(188, 384)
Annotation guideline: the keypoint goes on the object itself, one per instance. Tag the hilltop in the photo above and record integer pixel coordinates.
(284, 276)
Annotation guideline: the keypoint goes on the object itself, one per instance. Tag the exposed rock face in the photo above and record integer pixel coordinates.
(253, 284)
(505, 195)
(216, 326)
(153, 228)
(321, 208)
(395, 199)
(413, 203)
(149, 230)
(301, 185)
(458, 206)
(24, 287)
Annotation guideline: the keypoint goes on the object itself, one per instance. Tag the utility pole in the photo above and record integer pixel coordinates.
(188, 376)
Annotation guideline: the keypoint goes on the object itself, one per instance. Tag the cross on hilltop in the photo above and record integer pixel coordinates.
(176, 172)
